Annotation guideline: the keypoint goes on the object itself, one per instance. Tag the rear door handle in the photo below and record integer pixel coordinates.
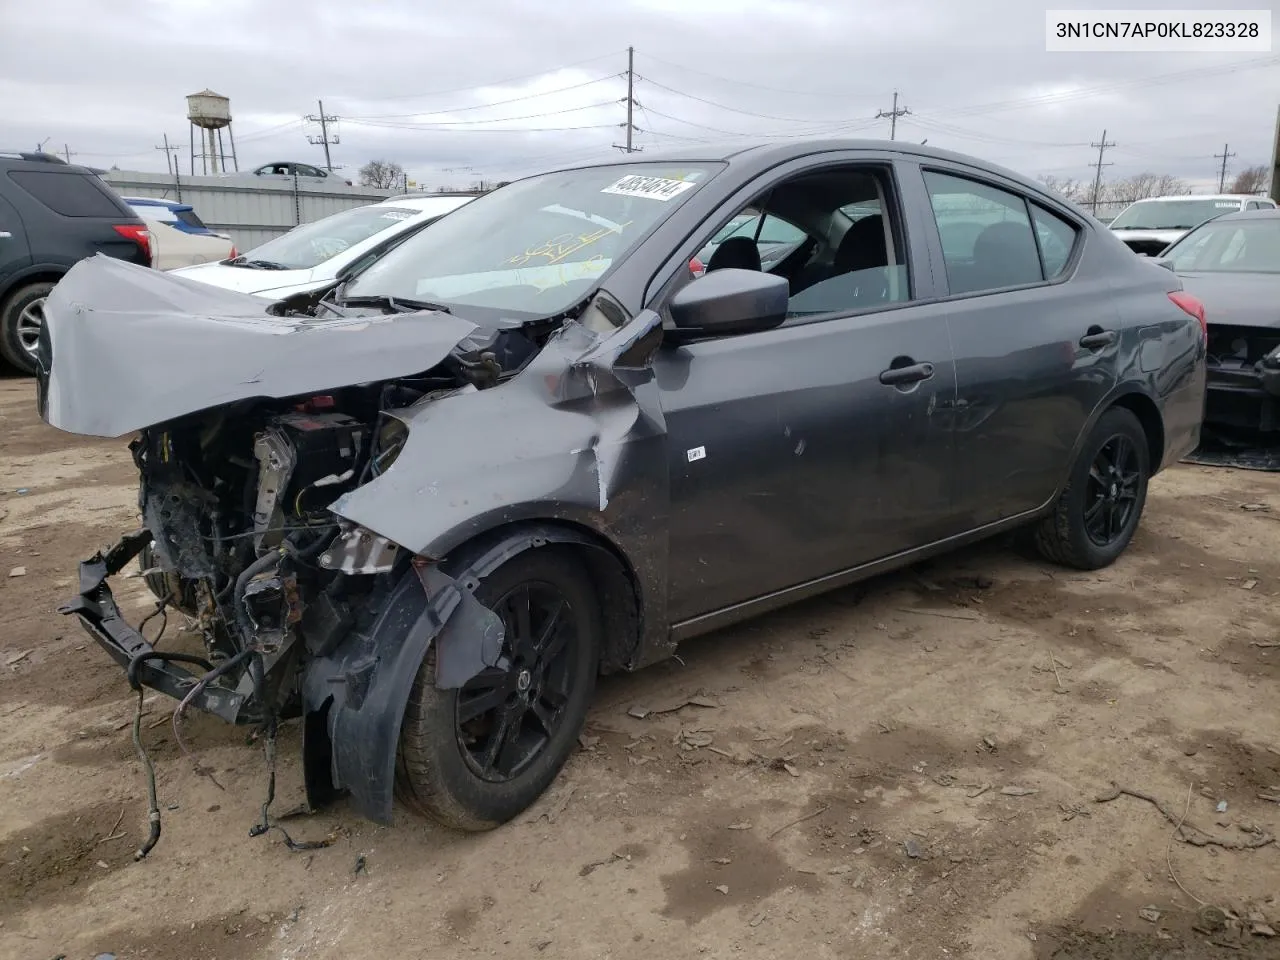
(897, 376)
(1097, 338)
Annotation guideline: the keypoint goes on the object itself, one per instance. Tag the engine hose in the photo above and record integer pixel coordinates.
(258, 566)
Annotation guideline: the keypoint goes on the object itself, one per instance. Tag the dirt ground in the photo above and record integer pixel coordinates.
(909, 768)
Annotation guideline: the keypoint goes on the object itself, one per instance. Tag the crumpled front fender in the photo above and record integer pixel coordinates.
(354, 699)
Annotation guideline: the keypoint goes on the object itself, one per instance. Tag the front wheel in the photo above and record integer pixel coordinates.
(1096, 515)
(21, 317)
(475, 757)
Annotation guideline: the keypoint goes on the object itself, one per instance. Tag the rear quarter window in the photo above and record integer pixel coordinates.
(68, 194)
(1057, 239)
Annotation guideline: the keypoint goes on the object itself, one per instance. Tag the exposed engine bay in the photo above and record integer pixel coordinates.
(237, 502)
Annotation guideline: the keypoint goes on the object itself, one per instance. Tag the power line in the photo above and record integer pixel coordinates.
(437, 124)
(723, 106)
(1097, 180)
(1224, 156)
(324, 120)
(841, 95)
(388, 125)
(893, 116)
(494, 83)
(496, 103)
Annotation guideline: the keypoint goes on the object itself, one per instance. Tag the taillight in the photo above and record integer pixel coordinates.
(696, 267)
(138, 234)
(1194, 306)
(232, 255)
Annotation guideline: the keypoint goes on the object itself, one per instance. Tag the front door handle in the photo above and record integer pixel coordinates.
(5, 234)
(897, 376)
(1097, 338)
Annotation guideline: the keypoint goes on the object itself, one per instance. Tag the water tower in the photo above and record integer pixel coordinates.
(211, 113)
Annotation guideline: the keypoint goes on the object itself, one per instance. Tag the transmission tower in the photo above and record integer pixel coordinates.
(325, 138)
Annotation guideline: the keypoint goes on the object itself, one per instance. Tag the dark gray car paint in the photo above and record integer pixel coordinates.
(806, 470)
(191, 347)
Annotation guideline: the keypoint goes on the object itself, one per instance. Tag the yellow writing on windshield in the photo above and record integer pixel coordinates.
(566, 244)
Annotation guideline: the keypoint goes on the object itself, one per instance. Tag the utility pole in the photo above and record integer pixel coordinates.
(170, 153)
(1103, 147)
(630, 101)
(324, 120)
(174, 169)
(1224, 156)
(893, 116)
(66, 152)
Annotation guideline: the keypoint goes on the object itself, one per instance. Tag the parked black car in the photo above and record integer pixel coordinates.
(1232, 263)
(528, 445)
(52, 215)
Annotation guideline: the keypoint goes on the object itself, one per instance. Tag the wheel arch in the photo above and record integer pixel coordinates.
(1135, 399)
(38, 273)
(608, 566)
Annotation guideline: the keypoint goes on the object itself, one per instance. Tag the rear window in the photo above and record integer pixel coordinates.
(189, 218)
(153, 211)
(70, 194)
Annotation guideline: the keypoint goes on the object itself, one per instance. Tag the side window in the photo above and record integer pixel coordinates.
(834, 235)
(987, 243)
(1057, 239)
(71, 195)
(1254, 205)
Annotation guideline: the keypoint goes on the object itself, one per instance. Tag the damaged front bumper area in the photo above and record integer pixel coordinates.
(1243, 386)
(352, 695)
(96, 609)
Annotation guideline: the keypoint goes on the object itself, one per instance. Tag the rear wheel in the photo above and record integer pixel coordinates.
(21, 317)
(1096, 515)
(475, 757)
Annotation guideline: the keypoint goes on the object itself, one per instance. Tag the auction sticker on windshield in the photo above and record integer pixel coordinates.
(651, 188)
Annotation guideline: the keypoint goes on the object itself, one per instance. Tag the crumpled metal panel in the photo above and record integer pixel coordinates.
(130, 347)
(577, 436)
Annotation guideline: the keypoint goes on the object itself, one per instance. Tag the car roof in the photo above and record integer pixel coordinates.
(763, 154)
(157, 202)
(1202, 196)
(427, 204)
(1266, 213)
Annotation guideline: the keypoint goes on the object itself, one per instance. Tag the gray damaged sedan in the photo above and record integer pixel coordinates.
(533, 444)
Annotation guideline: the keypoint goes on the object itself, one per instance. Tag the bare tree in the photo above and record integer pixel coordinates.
(1066, 187)
(383, 174)
(1140, 186)
(1250, 180)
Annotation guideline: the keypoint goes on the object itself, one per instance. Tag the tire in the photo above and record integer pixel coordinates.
(14, 324)
(1096, 515)
(441, 764)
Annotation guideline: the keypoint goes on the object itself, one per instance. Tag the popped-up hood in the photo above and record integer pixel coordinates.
(1237, 299)
(125, 347)
(248, 279)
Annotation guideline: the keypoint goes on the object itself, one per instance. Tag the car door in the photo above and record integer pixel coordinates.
(1036, 340)
(15, 250)
(802, 451)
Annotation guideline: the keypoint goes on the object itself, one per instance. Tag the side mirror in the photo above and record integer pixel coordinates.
(729, 301)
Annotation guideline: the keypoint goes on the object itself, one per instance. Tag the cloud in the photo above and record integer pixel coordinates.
(496, 88)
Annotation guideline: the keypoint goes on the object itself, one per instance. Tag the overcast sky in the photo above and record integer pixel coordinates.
(486, 88)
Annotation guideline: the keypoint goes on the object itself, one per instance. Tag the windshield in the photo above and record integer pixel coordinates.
(1171, 214)
(1234, 246)
(535, 246)
(313, 243)
(154, 211)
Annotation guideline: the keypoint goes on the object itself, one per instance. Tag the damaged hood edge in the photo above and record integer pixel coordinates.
(132, 347)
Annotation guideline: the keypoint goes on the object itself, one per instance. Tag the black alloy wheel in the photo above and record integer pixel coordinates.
(1112, 494)
(473, 758)
(1098, 511)
(506, 717)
